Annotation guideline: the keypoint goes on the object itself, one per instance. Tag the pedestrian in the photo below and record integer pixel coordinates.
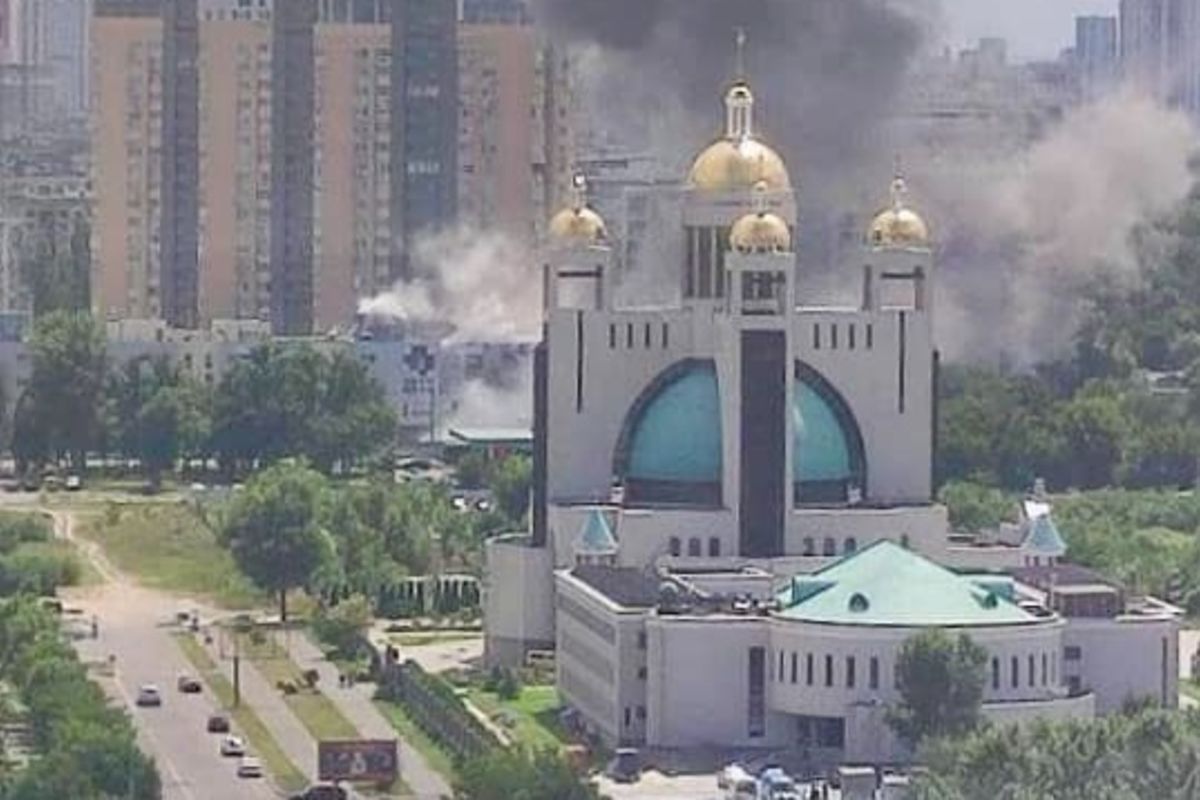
(341, 681)
(95, 627)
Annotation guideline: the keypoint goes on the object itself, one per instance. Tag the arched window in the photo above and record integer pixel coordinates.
(829, 547)
(810, 546)
(850, 545)
(714, 547)
(904, 541)
(694, 547)
(676, 547)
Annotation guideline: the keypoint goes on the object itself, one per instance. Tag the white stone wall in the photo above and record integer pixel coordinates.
(924, 527)
(518, 599)
(1127, 658)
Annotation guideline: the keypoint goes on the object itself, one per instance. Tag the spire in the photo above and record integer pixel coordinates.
(760, 198)
(579, 188)
(899, 186)
(739, 100)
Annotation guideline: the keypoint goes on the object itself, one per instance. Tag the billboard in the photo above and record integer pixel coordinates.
(359, 761)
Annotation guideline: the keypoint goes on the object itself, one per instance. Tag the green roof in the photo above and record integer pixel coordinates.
(887, 585)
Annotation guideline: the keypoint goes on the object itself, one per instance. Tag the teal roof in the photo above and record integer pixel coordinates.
(595, 535)
(678, 436)
(1044, 537)
(821, 448)
(887, 585)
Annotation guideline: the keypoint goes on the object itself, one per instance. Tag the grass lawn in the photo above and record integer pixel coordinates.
(168, 547)
(286, 775)
(316, 712)
(531, 718)
(87, 572)
(422, 638)
(1189, 688)
(437, 758)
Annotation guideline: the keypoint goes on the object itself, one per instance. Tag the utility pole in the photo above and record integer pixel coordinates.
(237, 670)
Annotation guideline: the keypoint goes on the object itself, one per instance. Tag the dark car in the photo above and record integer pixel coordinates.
(218, 723)
(626, 767)
(189, 685)
(324, 791)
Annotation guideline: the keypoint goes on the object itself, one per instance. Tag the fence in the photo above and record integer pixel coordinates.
(436, 709)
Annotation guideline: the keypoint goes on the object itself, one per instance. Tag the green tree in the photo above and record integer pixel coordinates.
(973, 507)
(510, 481)
(343, 625)
(940, 680)
(66, 383)
(505, 774)
(274, 529)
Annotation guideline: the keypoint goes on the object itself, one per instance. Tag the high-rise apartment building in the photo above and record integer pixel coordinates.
(1160, 49)
(494, 12)
(1096, 54)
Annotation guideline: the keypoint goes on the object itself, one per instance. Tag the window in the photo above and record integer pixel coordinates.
(1032, 671)
(870, 335)
(666, 332)
(628, 716)
(904, 541)
(850, 545)
(810, 546)
(641, 640)
(612, 337)
(1045, 668)
(829, 547)
(833, 336)
(646, 336)
(757, 705)
(641, 713)
(995, 674)
(629, 335)
(850, 332)
(829, 670)
(694, 547)
(1072, 653)
(714, 547)
(850, 672)
(816, 337)
(873, 673)
(779, 672)
(1016, 672)
(676, 547)
(641, 673)
(795, 665)
(808, 669)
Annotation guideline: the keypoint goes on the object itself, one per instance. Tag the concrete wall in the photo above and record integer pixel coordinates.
(925, 528)
(518, 600)
(1053, 710)
(1127, 658)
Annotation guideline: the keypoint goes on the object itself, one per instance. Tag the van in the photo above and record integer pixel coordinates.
(737, 783)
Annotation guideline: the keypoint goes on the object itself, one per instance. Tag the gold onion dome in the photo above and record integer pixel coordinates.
(898, 226)
(578, 224)
(761, 232)
(739, 161)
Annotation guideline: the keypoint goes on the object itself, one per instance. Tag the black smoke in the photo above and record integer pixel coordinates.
(826, 73)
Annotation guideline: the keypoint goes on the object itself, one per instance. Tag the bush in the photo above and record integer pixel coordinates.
(504, 682)
(342, 626)
(18, 529)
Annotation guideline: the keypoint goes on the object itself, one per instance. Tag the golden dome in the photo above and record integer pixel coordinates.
(731, 165)
(578, 225)
(762, 232)
(898, 226)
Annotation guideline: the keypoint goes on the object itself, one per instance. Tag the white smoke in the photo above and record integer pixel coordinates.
(484, 285)
(480, 404)
(1024, 238)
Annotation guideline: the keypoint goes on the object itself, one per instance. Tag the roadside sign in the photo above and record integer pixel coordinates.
(365, 761)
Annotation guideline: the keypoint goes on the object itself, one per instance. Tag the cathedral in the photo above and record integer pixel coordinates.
(734, 525)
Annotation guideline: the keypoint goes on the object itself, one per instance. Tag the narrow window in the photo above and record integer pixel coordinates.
(808, 669)
(795, 665)
(666, 335)
(810, 546)
(850, 545)
(904, 541)
(1032, 671)
(676, 548)
(756, 705)
(612, 337)
(1016, 672)
(995, 674)
(833, 336)
(628, 716)
(641, 673)
(779, 674)
(870, 335)
(816, 336)
(829, 670)
(850, 672)
(641, 640)
(873, 673)
(1045, 668)
(646, 336)
(694, 547)
(829, 547)
(714, 547)
(629, 335)
(850, 334)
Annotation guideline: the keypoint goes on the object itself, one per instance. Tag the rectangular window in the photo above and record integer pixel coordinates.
(795, 665)
(1016, 672)
(996, 674)
(850, 672)
(870, 335)
(1045, 668)
(641, 673)
(850, 335)
(829, 670)
(873, 676)
(628, 716)
(1032, 671)
(666, 335)
(629, 335)
(808, 669)
(612, 337)
(646, 336)
(641, 640)
(779, 674)
(1072, 653)
(833, 336)
(816, 336)
(757, 705)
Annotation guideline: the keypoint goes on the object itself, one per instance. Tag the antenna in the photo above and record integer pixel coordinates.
(740, 63)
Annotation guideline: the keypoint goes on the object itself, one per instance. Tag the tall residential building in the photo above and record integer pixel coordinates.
(1096, 53)
(1160, 49)
(493, 12)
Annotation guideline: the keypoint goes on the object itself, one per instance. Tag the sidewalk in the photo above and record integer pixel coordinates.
(356, 704)
(268, 704)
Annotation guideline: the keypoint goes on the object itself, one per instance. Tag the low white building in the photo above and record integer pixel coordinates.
(734, 524)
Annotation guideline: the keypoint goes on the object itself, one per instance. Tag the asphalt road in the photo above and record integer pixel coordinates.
(133, 627)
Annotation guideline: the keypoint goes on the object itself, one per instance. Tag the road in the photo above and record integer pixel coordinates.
(135, 627)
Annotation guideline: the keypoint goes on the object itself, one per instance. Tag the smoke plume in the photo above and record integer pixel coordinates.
(1022, 239)
(480, 286)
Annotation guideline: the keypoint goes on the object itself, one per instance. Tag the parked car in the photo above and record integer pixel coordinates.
(189, 685)
(218, 723)
(233, 746)
(626, 767)
(250, 767)
(73, 483)
(148, 695)
(323, 791)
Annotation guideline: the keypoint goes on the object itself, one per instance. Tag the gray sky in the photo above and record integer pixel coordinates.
(1034, 28)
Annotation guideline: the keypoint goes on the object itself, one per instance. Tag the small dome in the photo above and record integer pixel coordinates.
(761, 233)
(898, 226)
(578, 225)
(732, 165)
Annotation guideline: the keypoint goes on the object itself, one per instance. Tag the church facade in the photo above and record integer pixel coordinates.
(734, 524)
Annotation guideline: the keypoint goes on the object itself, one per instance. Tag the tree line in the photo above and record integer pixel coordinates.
(276, 402)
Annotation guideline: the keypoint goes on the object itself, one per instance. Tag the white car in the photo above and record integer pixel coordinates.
(250, 768)
(148, 695)
(233, 746)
